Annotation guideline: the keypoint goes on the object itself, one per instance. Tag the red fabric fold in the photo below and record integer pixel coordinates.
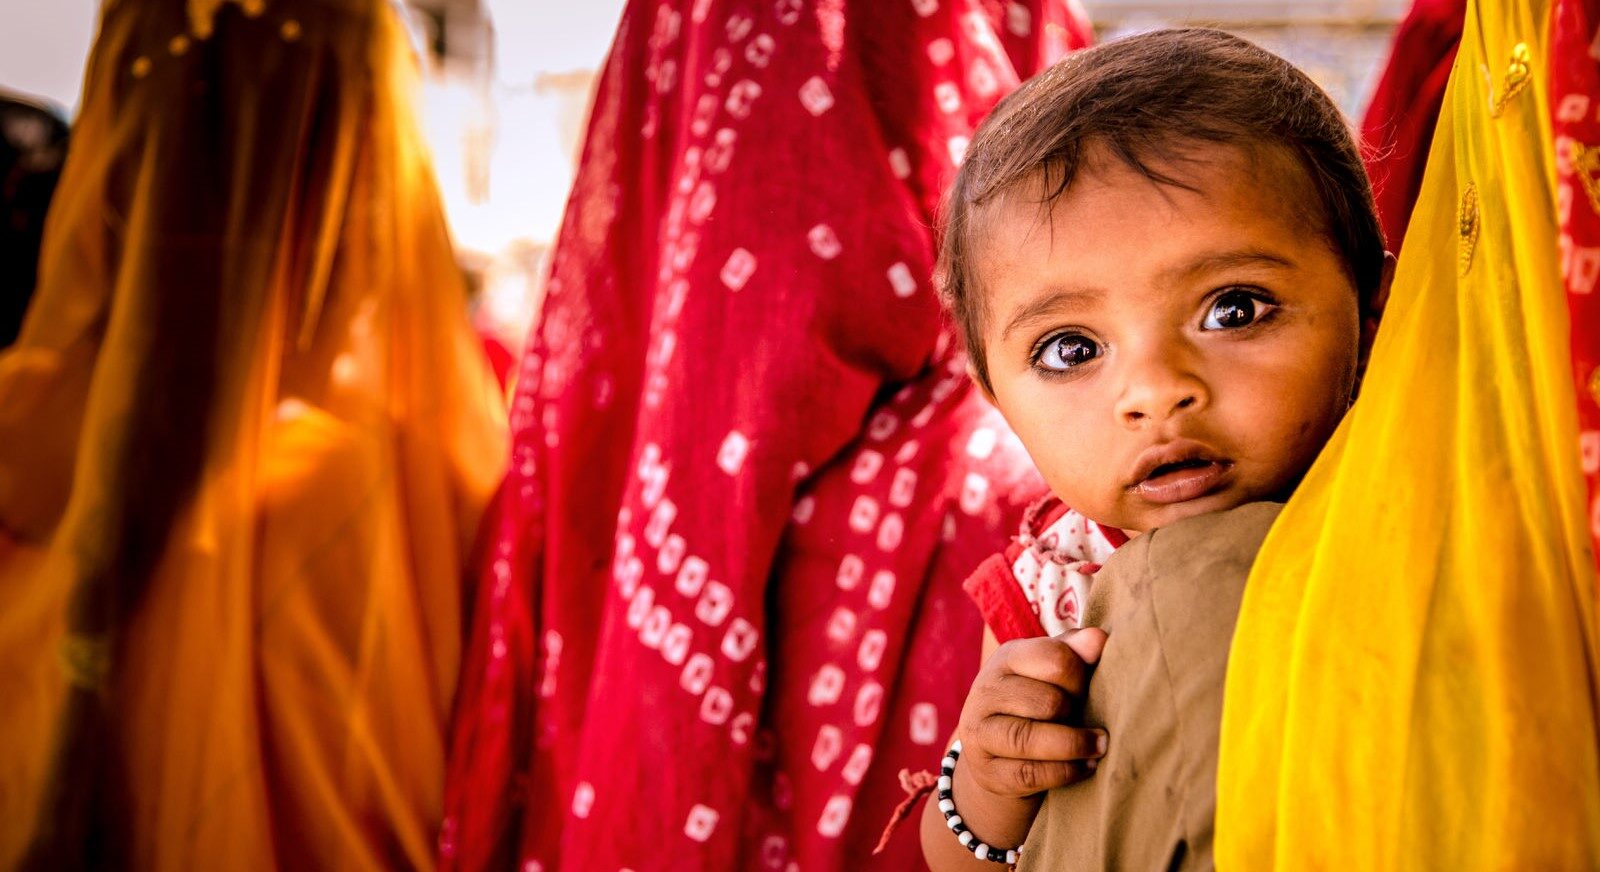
(749, 474)
(1574, 87)
(1398, 128)
(1005, 608)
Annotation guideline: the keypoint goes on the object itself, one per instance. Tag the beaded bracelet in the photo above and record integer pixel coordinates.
(947, 805)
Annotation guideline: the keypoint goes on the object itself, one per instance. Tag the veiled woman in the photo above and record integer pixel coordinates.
(245, 438)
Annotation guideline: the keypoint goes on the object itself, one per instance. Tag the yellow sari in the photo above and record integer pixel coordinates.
(246, 436)
(1413, 680)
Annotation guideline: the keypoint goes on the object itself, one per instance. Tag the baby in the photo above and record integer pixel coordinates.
(1164, 255)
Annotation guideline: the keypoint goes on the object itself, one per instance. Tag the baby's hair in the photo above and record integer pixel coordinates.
(1146, 99)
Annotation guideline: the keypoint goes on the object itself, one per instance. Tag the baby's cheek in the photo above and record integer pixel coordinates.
(1301, 445)
(1081, 482)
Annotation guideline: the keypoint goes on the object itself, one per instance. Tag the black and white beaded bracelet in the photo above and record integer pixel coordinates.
(952, 819)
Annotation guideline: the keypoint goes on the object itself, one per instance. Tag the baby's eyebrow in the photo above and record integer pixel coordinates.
(1225, 260)
(1048, 304)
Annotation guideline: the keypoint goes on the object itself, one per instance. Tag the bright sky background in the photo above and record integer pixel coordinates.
(535, 36)
(530, 167)
(43, 44)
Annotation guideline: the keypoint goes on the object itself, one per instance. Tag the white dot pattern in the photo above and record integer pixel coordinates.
(713, 600)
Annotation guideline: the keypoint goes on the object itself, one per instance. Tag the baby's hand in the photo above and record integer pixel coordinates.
(1014, 741)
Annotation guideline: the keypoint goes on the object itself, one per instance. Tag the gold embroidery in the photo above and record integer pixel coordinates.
(1586, 166)
(290, 30)
(178, 45)
(1468, 227)
(1517, 78)
(86, 660)
(141, 68)
(203, 13)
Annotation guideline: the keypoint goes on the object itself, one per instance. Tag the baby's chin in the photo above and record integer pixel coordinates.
(1144, 518)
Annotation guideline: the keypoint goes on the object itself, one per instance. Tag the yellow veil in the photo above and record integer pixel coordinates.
(1413, 680)
(245, 439)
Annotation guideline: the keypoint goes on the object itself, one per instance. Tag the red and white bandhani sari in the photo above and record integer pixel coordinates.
(749, 473)
(1575, 107)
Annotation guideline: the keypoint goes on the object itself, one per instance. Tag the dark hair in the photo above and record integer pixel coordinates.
(1149, 97)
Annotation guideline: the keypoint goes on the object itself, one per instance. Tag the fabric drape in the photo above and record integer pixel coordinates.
(1413, 680)
(246, 436)
(1398, 127)
(1574, 91)
(749, 473)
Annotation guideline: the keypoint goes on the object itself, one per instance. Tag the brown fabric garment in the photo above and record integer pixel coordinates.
(1168, 601)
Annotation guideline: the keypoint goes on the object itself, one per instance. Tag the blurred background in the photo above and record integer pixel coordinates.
(508, 84)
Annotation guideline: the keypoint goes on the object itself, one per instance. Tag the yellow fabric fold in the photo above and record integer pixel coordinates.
(1412, 684)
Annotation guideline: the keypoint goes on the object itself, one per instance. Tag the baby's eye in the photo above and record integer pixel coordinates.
(1063, 352)
(1233, 310)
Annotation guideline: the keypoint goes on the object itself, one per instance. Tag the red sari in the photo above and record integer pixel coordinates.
(749, 472)
(1398, 128)
(1574, 92)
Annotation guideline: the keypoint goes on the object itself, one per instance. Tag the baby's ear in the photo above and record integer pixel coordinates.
(972, 373)
(1372, 313)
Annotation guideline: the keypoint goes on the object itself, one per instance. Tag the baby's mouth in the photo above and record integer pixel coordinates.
(1182, 480)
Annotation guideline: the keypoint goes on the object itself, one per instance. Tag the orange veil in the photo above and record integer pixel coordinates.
(246, 436)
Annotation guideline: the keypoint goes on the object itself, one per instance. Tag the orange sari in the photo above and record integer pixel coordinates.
(245, 439)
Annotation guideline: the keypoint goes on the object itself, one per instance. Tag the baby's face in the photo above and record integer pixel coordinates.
(1165, 352)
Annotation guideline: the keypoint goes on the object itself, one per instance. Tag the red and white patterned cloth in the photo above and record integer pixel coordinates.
(1038, 586)
(749, 473)
(1575, 107)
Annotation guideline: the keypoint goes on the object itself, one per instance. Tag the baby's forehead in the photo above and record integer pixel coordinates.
(1261, 184)
(1268, 170)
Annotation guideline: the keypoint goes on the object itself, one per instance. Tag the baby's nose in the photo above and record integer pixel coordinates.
(1160, 399)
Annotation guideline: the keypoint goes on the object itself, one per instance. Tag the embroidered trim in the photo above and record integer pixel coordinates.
(1516, 78)
(1586, 166)
(202, 23)
(86, 660)
(1468, 228)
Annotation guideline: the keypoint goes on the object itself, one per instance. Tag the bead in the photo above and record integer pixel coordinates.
(290, 31)
(141, 68)
(952, 820)
(178, 45)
